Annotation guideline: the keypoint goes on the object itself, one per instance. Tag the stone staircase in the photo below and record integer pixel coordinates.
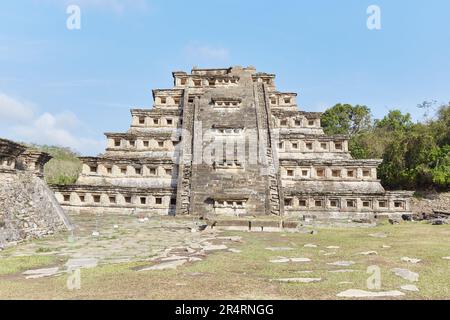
(273, 184)
(265, 131)
(185, 159)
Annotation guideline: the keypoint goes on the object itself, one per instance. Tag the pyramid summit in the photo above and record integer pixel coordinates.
(225, 142)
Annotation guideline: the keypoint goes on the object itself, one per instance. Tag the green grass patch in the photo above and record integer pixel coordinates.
(14, 265)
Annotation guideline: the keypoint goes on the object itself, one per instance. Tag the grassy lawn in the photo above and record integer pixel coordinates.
(247, 275)
(15, 265)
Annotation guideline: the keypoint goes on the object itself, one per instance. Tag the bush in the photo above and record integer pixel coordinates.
(64, 168)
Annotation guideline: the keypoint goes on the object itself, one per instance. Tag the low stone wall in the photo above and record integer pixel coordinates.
(28, 209)
(429, 201)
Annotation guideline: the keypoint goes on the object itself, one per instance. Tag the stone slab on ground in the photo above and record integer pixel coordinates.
(298, 280)
(355, 293)
(169, 265)
(410, 260)
(409, 287)
(83, 263)
(406, 274)
(279, 248)
(310, 245)
(40, 273)
(215, 247)
(368, 253)
(342, 271)
(195, 259)
(300, 260)
(342, 263)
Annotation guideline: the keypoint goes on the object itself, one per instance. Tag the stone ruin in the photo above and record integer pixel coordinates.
(226, 143)
(28, 207)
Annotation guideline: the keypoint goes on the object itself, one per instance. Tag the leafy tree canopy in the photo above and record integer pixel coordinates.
(346, 119)
(395, 121)
(415, 155)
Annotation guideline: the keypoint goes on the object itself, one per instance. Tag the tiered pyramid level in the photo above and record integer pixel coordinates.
(225, 142)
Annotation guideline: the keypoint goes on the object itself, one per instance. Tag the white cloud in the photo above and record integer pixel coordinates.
(67, 120)
(61, 129)
(206, 53)
(14, 110)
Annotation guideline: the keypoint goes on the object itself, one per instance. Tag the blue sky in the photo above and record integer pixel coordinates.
(67, 87)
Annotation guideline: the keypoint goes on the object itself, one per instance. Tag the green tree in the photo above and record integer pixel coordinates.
(395, 121)
(393, 170)
(441, 126)
(346, 119)
(440, 167)
(415, 155)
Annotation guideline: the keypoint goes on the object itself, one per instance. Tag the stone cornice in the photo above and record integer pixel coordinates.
(143, 135)
(388, 194)
(320, 137)
(36, 156)
(10, 148)
(278, 112)
(125, 160)
(112, 189)
(331, 162)
(156, 112)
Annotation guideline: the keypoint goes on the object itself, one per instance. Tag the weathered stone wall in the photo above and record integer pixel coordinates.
(28, 209)
(430, 201)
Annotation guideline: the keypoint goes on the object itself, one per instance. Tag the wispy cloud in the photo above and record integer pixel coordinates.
(205, 53)
(15, 110)
(20, 121)
(76, 83)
